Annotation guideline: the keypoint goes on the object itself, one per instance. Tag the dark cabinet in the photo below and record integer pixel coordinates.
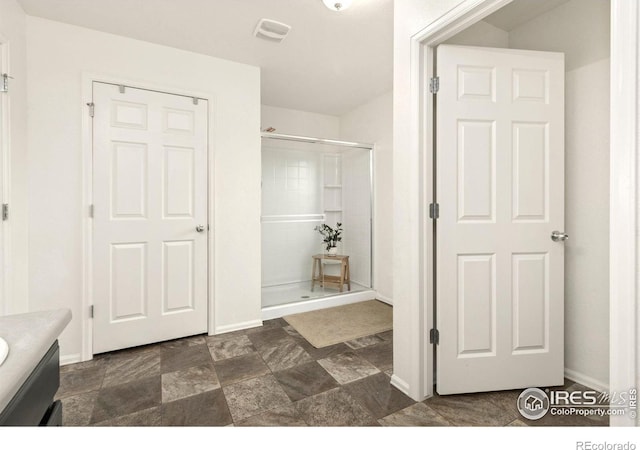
(33, 404)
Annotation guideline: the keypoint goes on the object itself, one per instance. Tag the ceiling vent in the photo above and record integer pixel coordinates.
(272, 30)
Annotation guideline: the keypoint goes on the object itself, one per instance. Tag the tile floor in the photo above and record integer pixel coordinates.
(269, 376)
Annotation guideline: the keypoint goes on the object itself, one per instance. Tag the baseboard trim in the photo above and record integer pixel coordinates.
(237, 326)
(70, 359)
(384, 298)
(400, 384)
(587, 381)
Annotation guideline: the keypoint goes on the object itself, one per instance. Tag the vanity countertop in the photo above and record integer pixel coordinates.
(29, 337)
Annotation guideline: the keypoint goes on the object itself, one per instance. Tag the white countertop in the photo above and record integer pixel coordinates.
(29, 337)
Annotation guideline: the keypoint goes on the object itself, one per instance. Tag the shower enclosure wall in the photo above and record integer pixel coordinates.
(306, 183)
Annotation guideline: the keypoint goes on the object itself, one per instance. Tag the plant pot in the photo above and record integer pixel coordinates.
(332, 251)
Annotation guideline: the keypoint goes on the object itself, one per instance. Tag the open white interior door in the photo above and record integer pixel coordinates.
(150, 216)
(500, 190)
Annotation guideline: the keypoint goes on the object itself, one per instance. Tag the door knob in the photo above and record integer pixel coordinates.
(200, 228)
(558, 236)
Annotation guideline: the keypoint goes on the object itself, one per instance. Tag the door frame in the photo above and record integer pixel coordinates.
(5, 182)
(624, 147)
(88, 78)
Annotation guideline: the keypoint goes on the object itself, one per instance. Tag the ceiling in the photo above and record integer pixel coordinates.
(521, 11)
(330, 62)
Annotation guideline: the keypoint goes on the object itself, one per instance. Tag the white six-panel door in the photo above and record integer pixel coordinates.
(500, 189)
(150, 195)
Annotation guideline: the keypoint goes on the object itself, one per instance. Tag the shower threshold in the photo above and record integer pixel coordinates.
(293, 298)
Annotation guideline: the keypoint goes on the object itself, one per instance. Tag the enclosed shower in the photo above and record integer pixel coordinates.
(308, 183)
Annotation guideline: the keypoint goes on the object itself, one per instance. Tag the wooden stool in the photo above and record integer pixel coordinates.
(333, 280)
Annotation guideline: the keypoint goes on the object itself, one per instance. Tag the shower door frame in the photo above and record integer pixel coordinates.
(352, 145)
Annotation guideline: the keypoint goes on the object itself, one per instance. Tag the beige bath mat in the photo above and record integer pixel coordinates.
(342, 323)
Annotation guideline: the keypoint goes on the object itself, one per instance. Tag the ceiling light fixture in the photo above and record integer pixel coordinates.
(337, 5)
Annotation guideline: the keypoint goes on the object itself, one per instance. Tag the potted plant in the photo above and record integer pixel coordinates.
(330, 236)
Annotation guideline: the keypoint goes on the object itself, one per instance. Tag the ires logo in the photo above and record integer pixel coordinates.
(534, 403)
(575, 398)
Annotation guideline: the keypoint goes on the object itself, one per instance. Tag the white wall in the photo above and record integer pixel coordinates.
(58, 56)
(300, 123)
(12, 34)
(580, 29)
(481, 34)
(373, 123)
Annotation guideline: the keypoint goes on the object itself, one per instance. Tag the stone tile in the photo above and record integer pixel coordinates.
(386, 336)
(185, 383)
(292, 331)
(517, 423)
(567, 384)
(255, 396)
(77, 410)
(507, 400)
(185, 342)
(284, 416)
(324, 352)
(206, 409)
(284, 356)
(380, 355)
(240, 368)
(151, 417)
(131, 367)
(227, 335)
(97, 361)
(274, 323)
(182, 357)
(334, 408)
(305, 380)
(363, 342)
(270, 337)
(128, 353)
(417, 415)
(266, 325)
(471, 410)
(78, 381)
(229, 347)
(348, 367)
(377, 394)
(123, 399)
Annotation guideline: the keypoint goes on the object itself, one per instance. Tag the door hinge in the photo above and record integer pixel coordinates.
(434, 336)
(91, 311)
(92, 108)
(121, 88)
(434, 85)
(5, 211)
(91, 211)
(434, 211)
(4, 82)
